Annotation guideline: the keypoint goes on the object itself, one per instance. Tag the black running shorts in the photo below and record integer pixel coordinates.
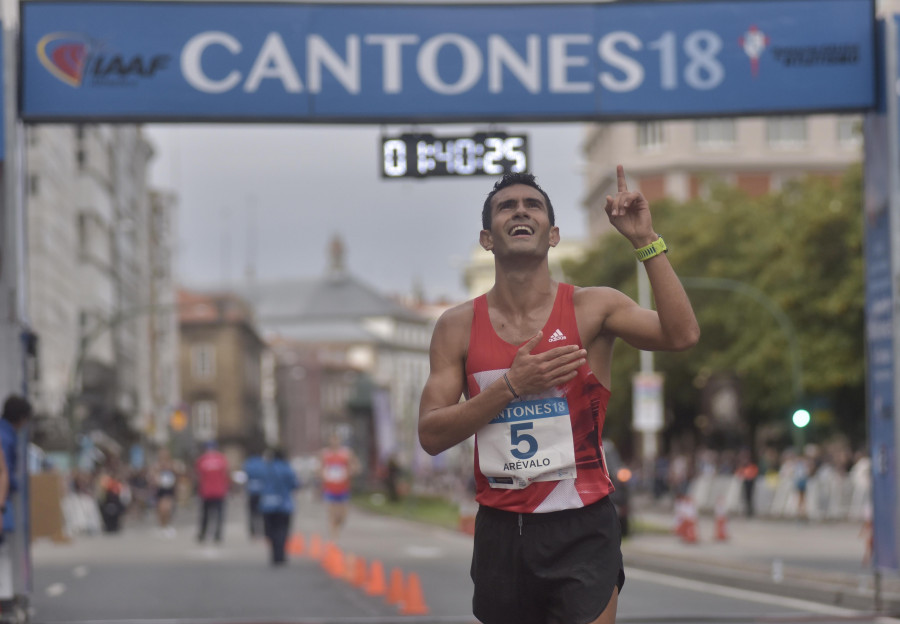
(537, 568)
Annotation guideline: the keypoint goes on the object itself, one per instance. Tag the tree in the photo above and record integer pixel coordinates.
(802, 247)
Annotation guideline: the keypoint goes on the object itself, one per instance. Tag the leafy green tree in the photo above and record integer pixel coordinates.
(801, 249)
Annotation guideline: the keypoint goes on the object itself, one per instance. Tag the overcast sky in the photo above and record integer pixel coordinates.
(271, 197)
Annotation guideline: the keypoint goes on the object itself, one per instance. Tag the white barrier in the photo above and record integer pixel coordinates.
(830, 495)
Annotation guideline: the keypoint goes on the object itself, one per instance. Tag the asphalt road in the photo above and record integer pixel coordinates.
(143, 576)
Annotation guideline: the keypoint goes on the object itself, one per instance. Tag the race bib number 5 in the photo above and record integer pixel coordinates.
(528, 441)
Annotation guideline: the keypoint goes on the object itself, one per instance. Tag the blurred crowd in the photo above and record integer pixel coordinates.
(817, 482)
(104, 498)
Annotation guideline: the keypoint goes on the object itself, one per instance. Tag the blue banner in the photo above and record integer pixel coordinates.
(182, 61)
(880, 347)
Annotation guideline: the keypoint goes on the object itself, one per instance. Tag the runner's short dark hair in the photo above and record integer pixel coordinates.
(509, 179)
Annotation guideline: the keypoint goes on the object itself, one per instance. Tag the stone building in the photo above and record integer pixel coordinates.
(220, 359)
(349, 359)
(680, 159)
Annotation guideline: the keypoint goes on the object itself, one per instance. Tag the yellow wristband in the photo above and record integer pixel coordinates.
(653, 249)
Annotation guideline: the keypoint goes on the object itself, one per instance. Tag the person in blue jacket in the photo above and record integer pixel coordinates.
(16, 413)
(276, 502)
(254, 468)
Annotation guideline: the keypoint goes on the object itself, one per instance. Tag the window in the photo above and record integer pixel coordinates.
(93, 237)
(83, 235)
(650, 135)
(203, 361)
(849, 132)
(205, 420)
(714, 133)
(786, 132)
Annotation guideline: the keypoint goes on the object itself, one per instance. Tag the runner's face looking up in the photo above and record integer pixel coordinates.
(520, 223)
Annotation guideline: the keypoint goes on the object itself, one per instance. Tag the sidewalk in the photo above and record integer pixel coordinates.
(819, 561)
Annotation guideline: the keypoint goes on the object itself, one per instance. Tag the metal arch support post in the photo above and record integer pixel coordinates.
(721, 283)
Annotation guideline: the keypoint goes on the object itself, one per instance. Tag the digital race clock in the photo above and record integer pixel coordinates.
(424, 155)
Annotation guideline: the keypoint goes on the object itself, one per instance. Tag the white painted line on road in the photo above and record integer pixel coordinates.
(56, 589)
(424, 552)
(740, 594)
(80, 571)
(205, 553)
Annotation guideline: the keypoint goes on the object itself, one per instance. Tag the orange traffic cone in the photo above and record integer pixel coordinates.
(334, 561)
(359, 573)
(680, 517)
(375, 585)
(349, 567)
(689, 534)
(315, 547)
(395, 589)
(415, 601)
(295, 545)
(721, 522)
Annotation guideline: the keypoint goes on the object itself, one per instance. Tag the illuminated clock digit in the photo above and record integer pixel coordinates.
(443, 152)
(492, 155)
(424, 157)
(465, 156)
(394, 158)
(512, 151)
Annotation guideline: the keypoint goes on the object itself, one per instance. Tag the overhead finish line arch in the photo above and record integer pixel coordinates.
(368, 63)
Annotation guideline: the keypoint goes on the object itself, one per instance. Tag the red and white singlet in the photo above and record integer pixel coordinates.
(336, 471)
(542, 452)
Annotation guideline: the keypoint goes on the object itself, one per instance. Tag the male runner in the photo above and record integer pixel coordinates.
(533, 358)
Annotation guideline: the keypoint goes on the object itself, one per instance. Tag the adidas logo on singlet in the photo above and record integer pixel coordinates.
(556, 336)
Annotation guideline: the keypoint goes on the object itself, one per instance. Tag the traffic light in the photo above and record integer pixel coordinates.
(800, 418)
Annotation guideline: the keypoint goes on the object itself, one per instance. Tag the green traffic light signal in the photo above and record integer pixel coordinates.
(801, 418)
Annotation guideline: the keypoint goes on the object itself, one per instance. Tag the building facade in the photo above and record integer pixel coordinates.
(344, 350)
(94, 237)
(220, 368)
(681, 159)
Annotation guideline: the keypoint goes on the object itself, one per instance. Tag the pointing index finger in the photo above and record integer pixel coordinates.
(620, 178)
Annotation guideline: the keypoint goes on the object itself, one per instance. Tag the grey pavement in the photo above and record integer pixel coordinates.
(819, 561)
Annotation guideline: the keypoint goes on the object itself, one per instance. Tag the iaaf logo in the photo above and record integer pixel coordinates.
(754, 43)
(71, 57)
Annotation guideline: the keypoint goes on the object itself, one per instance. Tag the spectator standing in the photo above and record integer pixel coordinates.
(113, 496)
(276, 502)
(254, 468)
(16, 414)
(213, 482)
(164, 477)
(747, 472)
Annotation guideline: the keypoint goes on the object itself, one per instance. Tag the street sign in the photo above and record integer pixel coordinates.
(364, 63)
(178, 420)
(647, 403)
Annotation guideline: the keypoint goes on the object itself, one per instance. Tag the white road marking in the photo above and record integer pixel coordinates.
(56, 589)
(80, 571)
(741, 594)
(424, 552)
